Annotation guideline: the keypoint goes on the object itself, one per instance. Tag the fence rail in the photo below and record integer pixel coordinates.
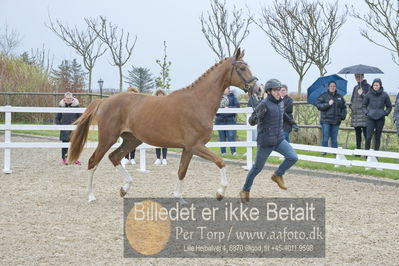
(340, 153)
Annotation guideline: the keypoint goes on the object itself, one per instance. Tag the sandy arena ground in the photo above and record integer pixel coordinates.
(45, 218)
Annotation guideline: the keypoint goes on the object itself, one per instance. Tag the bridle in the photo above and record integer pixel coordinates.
(247, 87)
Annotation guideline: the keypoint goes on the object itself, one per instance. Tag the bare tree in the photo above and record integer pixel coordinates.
(279, 23)
(320, 22)
(9, 41)
(42, 59)
(116, 41)
(383, 19)
(224, 35)
(83, 42)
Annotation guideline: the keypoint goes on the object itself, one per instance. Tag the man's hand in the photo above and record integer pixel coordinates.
(253, 119)
(258, 114)
(330, 102)
(295, 127)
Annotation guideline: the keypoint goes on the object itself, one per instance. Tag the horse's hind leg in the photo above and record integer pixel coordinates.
(204, 152)
(184, 162)
(103, 146)
(129, 143)
(90, 185)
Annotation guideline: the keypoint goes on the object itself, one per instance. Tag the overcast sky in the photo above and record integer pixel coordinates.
(177, 22)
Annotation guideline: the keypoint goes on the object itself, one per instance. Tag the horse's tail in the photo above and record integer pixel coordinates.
(79, 135)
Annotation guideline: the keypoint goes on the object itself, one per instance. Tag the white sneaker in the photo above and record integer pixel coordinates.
(157, 162)
(132, 161)
(124, 162)
(164, 162)
(235, 154)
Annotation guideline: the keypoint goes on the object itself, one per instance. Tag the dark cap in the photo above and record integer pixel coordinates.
(272, 83)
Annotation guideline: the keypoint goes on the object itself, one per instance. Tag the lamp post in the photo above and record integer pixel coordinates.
(100, 85)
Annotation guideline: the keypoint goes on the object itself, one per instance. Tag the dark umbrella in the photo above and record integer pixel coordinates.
(360, 69)
(321, 85)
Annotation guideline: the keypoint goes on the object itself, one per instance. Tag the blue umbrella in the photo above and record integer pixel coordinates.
(321, 85)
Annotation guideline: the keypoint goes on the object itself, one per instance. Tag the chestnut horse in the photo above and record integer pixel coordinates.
(182, 119)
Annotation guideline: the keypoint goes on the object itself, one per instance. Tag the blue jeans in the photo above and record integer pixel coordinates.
(254, 134)
(329, 131)
(229, 135)
(261, 156)
(287, 136)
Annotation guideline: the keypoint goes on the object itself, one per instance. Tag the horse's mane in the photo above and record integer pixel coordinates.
(203, 75)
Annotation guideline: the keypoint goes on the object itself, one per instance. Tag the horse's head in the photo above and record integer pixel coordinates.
(241, 75)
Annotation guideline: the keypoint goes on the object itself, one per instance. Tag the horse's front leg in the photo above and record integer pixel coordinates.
(204, 152)
(223, 184)
(184, 163)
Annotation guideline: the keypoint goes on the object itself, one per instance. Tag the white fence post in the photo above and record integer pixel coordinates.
(249, 148)
(341, 157)
(142, 160)
(372, 159)
(7, 140)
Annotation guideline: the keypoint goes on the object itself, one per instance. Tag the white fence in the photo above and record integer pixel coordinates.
(340, 159)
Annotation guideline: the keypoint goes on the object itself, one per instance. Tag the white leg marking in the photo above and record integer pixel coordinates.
(90, 186)
(178, 193)
(128, 179)
(223, 181)
(179, 187)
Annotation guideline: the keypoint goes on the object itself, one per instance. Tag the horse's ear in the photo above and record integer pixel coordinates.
(238, 54)
(242, 54)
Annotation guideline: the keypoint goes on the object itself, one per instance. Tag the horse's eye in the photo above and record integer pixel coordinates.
(243, 68)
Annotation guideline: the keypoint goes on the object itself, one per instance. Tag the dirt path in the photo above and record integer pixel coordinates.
(45, 217)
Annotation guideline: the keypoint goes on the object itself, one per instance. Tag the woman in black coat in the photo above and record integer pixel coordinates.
(376, 105)
(332, 109)
(67, 119)
(288, 109)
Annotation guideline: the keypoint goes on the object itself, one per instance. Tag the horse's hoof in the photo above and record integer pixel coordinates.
(182, 201)
(92, 198)
(122, 192)
(219, 196)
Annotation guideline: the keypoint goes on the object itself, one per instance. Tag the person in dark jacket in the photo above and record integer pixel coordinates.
(229, 100)
(270, 115)
(67, 119)
(376, 105)
(332, 109)
(288, 109)
(359, 119)
(396, 114)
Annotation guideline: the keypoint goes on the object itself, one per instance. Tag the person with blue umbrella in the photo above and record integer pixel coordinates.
(332, 109)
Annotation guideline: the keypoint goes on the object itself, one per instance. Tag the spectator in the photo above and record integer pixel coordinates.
(269, 115)
(359, 119)
(129, 158)
(396, 114)
(158, 161)
(228, 100)
(67, 119)
(288, 109)
(376, 105)
(253, 101)
(332, 109)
